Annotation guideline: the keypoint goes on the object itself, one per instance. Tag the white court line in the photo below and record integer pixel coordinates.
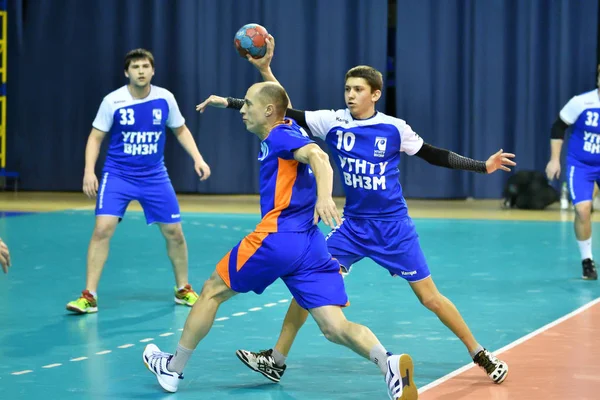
(509, 346)
(22, 372)
(125, 346)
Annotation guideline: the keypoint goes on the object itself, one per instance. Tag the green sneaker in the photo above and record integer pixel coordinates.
(84, 305)
(186, 295)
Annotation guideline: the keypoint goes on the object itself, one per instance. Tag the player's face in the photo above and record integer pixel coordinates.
(253, 112)
(140, 72)
(360, 100)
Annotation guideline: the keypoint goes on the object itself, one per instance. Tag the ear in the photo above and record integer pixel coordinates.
(269, 110)
(126, 74)
(376, 95)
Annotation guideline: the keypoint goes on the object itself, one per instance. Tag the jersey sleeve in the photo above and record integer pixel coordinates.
(571, 111)
(104, 117)
(320, 122)
(287, 142)
(410, 141)
(175, 119)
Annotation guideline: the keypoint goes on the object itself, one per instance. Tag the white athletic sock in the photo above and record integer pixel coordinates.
(477, 350)
(378, 355)
(180, 359)
(279, 358)
(585, 248)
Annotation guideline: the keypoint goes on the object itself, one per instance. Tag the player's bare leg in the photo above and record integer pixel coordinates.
(177, 251)
(294, 319)
(397, 369)
(583, 233)
(178, 254)
(199, 322)
(96, 258)
(446, 311)
(201, 318)
(98, 249)
(431, 298)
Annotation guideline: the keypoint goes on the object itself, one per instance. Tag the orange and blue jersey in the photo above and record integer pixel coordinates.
(288, 191)
(286, 243)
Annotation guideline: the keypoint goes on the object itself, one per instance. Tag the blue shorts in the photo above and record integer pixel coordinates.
(581, 180)
(300, 259)
(392, 244)
(155, 195)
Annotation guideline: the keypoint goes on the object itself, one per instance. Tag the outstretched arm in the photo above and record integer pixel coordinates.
(448, 159)
(231, 102)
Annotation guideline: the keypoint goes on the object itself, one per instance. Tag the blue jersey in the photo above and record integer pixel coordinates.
(288, 190)
(367, 154)
(583, 113)
(137, 130)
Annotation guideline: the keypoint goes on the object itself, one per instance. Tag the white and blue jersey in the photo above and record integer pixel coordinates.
(582, 112)
(137, 129)
(376, 222)
(134, 168)
(367, 154)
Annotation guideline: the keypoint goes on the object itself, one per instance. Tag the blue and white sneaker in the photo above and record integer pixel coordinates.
(156, 361)
(399, 378)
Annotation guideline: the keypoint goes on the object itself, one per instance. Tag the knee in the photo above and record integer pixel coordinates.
(334, 332)
(215, 290)
(103, 231)
(174, 234)
(432, 302)
(583, 212)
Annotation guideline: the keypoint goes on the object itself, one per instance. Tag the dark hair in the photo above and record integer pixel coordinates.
(276, 94)
(138, 54)
(370, 74)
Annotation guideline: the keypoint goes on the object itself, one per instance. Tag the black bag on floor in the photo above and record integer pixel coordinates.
(529, 190)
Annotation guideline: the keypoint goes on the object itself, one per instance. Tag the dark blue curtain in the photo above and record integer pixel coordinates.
(65, 55)
(475, 76)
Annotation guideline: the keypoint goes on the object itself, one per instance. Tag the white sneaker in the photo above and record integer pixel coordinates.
(262, 362)
(156, 361)
(399, 378)
(496, 369)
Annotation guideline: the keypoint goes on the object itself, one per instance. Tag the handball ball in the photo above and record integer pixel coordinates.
(250, 39)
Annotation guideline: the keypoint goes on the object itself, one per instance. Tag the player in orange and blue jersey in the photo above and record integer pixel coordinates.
(296, 184)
